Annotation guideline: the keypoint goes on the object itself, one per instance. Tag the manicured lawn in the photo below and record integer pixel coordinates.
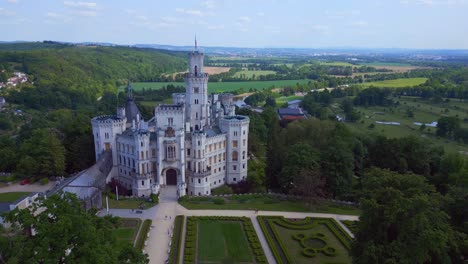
(127, 231)
(217, 87)
(292, 239)
(12, 196)
(266, 203)
(222, 240)
(397, 83)
(219, 239)
(250, 74)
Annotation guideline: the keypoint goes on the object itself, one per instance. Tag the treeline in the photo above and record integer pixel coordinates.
(73, 76)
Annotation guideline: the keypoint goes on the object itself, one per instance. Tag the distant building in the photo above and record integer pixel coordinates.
(196, 144)
(287, 115)
(294, 103)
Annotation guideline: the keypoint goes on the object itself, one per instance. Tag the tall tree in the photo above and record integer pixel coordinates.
(62, 232)
(402, 222)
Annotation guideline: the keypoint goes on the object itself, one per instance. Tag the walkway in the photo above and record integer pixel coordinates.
(164, 213)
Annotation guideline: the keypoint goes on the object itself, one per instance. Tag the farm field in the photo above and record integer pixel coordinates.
(306, 241)
(217, 87)
(222, 240)
(338, 63)
(397, 83)
(250, 74)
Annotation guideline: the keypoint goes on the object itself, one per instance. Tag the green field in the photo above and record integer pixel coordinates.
(127, 230)
(397, 83)
(284, 99)
(338, 63)
(306, 241)
(377, 63)
(217, 87)
(250, 74)
(12, 196)
(222, 240)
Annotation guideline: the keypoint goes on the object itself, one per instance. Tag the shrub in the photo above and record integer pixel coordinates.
(44, 181)
(176, 240)
(219, 201)
(224, 189)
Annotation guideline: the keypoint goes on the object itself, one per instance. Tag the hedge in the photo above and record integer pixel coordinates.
(174, 255)
(143, 234)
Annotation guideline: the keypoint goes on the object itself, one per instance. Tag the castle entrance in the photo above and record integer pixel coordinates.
(171, 177)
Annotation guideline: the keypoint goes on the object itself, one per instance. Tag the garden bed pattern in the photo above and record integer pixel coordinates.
(308, 240)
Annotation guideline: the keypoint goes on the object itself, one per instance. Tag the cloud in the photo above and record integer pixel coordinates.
(216, 27)
(89, 5)
(86, 13)
(360, 23)
(260, 14)
(209, 4)
(244, 19)
(6, 12)
(193, 12)
(12, 1)
(430, 3)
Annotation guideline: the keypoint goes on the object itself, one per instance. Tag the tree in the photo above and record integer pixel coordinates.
(402, 222)
(63, 232)
(300, 156)
(337, 164)
(447, 125)
(309, 184)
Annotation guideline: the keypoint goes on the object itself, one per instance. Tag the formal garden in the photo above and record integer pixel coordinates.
(176, 241)
(220, 239)
(308, 240)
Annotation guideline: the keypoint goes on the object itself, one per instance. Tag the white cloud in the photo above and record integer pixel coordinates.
(86, 13)
(12, 1)
(260, 14)
(215, 27)
(6, 12)
(89, 5)
(209, 4)
(244, 19)
(192, 12)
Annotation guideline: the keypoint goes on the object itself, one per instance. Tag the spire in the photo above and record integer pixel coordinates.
(129, 90)
(195, 41)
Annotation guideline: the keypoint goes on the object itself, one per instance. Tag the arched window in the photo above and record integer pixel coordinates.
(196, 70)
(234, 156)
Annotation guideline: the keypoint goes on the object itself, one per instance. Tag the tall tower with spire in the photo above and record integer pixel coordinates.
(196, 93)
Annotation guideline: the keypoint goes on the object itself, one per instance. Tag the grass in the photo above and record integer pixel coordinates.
(217, 87)
(397, 83)
(266, 203)
(280, 231)
(378, 63)
(221, 241)
(176, 240)
(12, 196)
(127, 203)
(284, 99)
(250, 74)
(127, 231)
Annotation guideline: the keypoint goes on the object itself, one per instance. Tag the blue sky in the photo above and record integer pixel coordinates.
(242, 23)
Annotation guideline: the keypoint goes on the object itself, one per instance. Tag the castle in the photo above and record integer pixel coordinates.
(197, 143)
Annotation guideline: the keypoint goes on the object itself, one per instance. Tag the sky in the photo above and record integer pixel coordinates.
(416, 24)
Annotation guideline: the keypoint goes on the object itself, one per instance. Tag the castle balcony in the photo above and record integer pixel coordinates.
(198, 174)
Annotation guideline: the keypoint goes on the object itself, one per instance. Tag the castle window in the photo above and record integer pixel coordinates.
(196, 89)
(243, 142)
(142, 155)
(243, 154)
(219, 158)
(153, 152)
(199, 181)
(234, 167)
(146, 154)
(243, 166)
(199, 154)
(196, 70)
(170, 152)
(141, 143)
(234, 143)
(209, 147)
(133, 163)
(243, 132)
(196, 117)
(143, 183)
(235, 179)
(214, 170)
(196, 101)
(219, 145)
(206, 180)
(154, 166)
(224, 156)
(188, 152)
(235, 133)
(189, 166)
(170, 121)
(198, 142)
(209, 161)
(234, 156)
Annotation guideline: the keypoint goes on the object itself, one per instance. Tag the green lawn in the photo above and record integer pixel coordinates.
(217, 87)
(249, 74)
(127, 231)
(12, 196)
(128, 203)
(266, 203)
(397, 83)
(284, 99)
(222, 242)
(319, 234)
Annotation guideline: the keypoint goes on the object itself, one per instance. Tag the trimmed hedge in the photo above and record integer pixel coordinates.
(143, 234)
(249, 231)
(277, 247)
(174, 255)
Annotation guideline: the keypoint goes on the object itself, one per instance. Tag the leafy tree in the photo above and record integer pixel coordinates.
(309, 184)
(61, 231)
(300, 156)
(402, 222)
(337, 164)
(446, 126)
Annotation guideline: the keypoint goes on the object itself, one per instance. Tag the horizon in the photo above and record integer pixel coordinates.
(295, 24)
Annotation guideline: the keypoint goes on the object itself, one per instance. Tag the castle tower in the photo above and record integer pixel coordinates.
(196, 99)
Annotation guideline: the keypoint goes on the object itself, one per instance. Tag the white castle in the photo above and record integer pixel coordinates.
(197, 143)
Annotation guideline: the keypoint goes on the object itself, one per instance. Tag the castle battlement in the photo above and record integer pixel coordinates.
(107, 119)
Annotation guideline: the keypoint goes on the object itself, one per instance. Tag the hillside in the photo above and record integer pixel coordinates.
(61, 72)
